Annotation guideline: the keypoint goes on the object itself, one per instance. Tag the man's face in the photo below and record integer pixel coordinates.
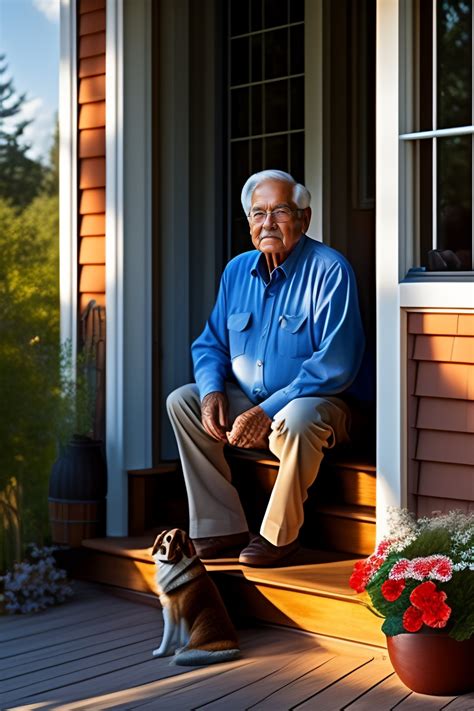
(271, 237)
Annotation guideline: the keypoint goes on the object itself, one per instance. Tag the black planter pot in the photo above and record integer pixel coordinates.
(77, 492)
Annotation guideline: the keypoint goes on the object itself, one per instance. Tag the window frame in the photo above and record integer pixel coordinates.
(409, 159)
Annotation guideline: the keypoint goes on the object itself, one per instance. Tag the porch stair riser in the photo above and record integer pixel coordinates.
(314, 597)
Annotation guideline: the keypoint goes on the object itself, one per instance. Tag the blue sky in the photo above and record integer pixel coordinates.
(29, 37)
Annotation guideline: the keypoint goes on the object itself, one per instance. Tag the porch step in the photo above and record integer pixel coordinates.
(340, 510)
(311, 594)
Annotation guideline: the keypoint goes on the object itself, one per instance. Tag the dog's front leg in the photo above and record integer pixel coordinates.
(170, 636)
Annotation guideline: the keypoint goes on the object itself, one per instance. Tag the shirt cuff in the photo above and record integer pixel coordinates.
(275, 402)
(210, 385)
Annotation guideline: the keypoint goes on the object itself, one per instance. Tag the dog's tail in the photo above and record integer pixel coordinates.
(198, 657)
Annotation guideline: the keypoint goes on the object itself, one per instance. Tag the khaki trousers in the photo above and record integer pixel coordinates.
(299, 433)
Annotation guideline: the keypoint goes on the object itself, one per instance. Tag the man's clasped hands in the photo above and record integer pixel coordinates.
(250, 430)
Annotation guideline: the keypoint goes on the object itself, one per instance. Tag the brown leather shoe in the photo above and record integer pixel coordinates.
(263, 554)
(209, 548)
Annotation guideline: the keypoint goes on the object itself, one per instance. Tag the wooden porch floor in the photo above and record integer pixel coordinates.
(95, 653)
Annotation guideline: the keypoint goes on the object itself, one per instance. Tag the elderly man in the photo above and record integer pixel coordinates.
(284, 338)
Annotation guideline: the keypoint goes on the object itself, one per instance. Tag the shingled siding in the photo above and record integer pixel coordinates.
(91, 151)
(441, 412)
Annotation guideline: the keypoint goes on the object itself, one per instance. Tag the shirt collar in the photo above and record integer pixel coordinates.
(288, 265)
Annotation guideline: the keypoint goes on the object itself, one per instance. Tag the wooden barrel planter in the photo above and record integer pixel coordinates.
(77, 492)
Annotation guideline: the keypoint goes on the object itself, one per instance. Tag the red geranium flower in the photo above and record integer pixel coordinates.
(431, 604)
(412, 619)
(422, 596)
(358, 579)
(392, 589)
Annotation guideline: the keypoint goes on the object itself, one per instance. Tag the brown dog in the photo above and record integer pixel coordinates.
(197, 628)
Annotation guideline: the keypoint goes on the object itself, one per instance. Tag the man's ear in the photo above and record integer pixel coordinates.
(306, 219)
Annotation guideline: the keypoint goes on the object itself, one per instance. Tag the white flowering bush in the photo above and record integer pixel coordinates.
(35, 583)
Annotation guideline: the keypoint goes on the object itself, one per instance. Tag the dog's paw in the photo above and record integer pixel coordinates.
(201, 657)
(162, 652)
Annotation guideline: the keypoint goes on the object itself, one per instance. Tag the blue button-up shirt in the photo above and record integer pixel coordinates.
(297, 333)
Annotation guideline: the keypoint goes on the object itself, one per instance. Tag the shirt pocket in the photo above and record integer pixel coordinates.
(239, 329)
(293, 340)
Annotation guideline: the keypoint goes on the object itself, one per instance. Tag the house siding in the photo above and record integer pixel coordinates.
(440, 412)
(91, 151)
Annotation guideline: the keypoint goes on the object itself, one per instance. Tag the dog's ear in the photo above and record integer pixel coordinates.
(158, 541)
(187, 545)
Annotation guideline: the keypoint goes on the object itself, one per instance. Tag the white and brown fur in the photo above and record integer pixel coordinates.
(197, 628)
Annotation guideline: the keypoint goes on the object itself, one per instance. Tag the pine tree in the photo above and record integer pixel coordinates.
(21, 177)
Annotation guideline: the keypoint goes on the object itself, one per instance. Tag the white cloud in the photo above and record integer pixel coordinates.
(39, 134)
(49, 8)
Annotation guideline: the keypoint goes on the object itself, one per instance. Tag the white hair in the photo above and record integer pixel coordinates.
(301, 195)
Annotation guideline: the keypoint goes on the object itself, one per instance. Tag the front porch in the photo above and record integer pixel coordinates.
(95, 653)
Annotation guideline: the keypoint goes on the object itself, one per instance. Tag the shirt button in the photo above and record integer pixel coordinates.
(259, 363)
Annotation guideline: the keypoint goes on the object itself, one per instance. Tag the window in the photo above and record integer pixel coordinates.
(265, 42)
(440, 149)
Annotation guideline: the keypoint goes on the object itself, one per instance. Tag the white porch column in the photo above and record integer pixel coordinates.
(68, 171)
(128, 250)
(391, 486)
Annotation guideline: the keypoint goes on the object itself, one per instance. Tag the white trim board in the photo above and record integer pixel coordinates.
(128, 251)
(391, 475)
(437, 295)
(68, 257)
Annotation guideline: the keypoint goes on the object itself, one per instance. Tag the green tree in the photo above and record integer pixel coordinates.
(21, 178)
(29, 365)
(51, 175)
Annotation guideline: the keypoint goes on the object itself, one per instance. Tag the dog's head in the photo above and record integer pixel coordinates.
(171, 546)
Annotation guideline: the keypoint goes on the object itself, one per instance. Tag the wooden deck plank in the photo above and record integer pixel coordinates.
(355, 684)
(292, 666)
(383, 697)
(74, 650)
(86, 629)
(67, 671)
(461, 703)
(302, 689)
(17, 626)
(422, 702)
(105, 663)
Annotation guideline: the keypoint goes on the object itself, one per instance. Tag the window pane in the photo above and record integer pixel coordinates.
(276, 12)
(297, 156)
(239, 61)
(240, 240)
(425, 149)
(276, 54)
(454, 49)
(256, 14)
(257, 155)
(239, 17)
(297, 103)
(296, 10)
(257, 58)
(297, 49)
(455, 198)
(426, 66)
(276, 153)
(240, 113)
(276, 106)
(256, 123)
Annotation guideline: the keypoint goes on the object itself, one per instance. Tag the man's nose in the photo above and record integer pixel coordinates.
(269, 217)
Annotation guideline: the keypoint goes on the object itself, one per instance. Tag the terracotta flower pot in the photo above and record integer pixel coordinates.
(433, 663)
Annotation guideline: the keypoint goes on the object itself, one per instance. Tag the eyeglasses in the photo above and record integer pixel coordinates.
(281, 214)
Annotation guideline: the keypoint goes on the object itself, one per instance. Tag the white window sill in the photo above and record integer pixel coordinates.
(434, 293)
